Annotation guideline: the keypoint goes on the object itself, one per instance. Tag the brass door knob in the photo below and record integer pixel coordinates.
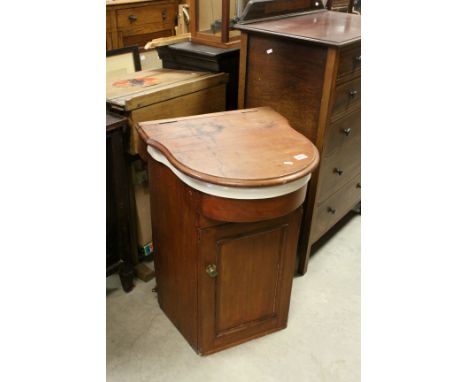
(353, 93)
(211, 270)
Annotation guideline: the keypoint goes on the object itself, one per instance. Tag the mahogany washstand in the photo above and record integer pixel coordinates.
(226, 193)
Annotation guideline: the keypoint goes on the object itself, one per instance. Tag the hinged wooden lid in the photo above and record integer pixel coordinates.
(242, 148)
(147, 87)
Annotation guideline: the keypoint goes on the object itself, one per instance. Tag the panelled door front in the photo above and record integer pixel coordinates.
(245, 280)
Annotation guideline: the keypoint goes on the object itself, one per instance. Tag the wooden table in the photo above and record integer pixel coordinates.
(118, 217)
(226, 193)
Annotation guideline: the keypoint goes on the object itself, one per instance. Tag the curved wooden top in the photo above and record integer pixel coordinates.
(242, 148)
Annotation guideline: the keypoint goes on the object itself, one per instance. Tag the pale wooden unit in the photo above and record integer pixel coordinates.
(165, 93)
(162, 93)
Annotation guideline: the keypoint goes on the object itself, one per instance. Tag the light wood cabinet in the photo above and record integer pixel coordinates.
(164, 93)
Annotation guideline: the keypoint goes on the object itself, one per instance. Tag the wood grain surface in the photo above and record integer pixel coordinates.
(114, 121)
(173, 220)
(250, 296)
(308, 67)
(243, 148)
(119, 2)
(323, 27)
(243, 211)
(135, 22)
(295, 94)
(123, 89)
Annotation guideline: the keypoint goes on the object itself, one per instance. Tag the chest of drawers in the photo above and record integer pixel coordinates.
(135, 22)
(308, 68)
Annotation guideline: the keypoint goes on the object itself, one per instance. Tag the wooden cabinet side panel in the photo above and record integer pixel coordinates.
(210, 100)
(286, 75)
(244, 42)
(173, 220)
(112, 24)
(329, 81)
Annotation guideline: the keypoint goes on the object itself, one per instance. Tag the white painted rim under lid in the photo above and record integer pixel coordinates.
(230, 192)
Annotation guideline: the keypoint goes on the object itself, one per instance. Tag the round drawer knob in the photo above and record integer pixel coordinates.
(338, 171)
(347, 131)
(211, 270)
(132, 18)
(331, 210)
(357, 58)
(353, 93)
(358, 185)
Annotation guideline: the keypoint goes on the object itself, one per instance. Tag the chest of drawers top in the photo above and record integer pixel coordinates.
(321, 27)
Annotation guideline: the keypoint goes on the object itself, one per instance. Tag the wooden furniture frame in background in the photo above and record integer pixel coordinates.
(135, 22)
(223, 41)
(340, 5)
(319, 95)
(127, 50)
(120, 243)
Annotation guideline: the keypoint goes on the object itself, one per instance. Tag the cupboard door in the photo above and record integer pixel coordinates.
(245, 278)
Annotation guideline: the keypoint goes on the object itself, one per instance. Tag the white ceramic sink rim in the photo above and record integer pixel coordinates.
(230, 192)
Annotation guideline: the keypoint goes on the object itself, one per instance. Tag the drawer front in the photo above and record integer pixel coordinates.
(341, 133)
(334, 208)
(145, 19)
(245, 211)
(350, 62)
(338, 169)
(347, 97)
